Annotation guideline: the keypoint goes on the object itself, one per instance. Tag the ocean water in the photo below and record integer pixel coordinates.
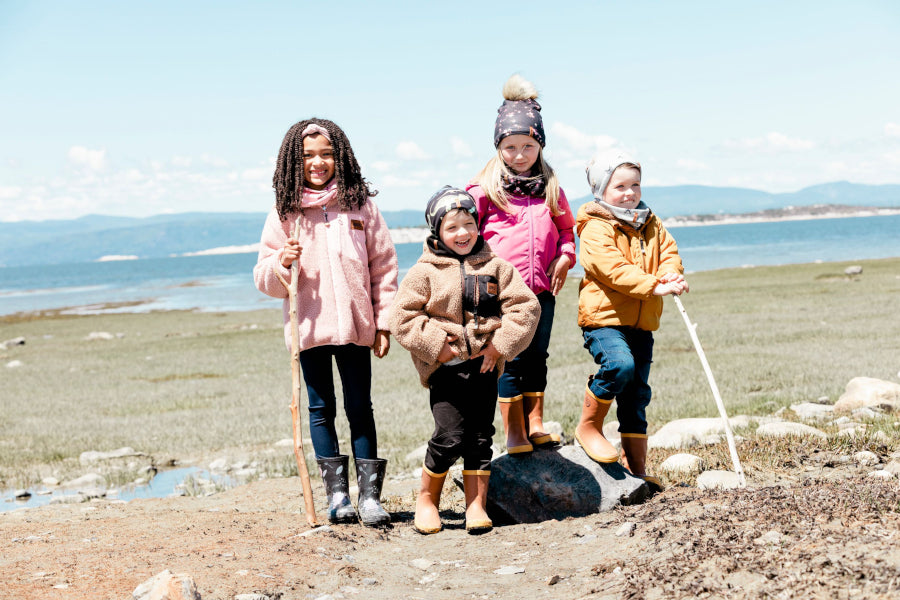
(225, 283)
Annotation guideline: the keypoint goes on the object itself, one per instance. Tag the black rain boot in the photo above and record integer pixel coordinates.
(337, 488)
(370, 478)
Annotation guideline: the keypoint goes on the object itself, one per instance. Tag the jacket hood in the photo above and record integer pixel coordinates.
(595, 210)
(478, 258)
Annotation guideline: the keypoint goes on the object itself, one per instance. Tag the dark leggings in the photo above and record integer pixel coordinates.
(463, 401)
(354, 365)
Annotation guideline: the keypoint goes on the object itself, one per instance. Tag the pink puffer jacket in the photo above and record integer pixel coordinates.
(529, 237)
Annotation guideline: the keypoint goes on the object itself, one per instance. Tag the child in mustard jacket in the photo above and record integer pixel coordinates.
(630, 262)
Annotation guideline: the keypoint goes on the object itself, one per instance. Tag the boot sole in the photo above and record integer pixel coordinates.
(545, 440)
(479, 527)
(523, 449)
(427, 530)
(606, 459)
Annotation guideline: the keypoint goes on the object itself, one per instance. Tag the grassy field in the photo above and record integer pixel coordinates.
(183, 384)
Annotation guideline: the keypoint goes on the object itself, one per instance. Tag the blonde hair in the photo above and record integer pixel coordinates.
(491, 181)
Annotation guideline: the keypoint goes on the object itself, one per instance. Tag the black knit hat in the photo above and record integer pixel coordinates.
(443, 201)
(519, 117)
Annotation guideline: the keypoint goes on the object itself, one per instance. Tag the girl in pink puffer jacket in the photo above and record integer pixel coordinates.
(525, 217)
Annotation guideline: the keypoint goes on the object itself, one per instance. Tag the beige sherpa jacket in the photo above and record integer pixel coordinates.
(429, 306)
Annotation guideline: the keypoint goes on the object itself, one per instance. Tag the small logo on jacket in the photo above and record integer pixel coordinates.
(357, 224)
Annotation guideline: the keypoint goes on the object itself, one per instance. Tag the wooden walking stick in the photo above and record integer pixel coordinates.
(295, 385)
(732, 448)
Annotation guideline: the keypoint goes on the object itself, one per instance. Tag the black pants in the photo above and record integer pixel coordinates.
(463, 401)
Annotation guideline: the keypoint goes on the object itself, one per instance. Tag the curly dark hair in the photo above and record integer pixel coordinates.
(353, 191)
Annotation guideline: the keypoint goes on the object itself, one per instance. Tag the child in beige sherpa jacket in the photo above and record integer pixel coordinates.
(461, 312)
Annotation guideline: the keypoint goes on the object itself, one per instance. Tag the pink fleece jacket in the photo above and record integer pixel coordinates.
(348, 274)
(528, 236)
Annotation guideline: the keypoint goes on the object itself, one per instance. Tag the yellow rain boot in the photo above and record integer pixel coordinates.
(533, 407)
(589, 431)
(634, 458)
(428, 519)
(475, 484)
(514, 425)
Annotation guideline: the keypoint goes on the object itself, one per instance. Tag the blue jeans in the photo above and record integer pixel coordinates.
(624, 355)
(528, 371)
(354, 365)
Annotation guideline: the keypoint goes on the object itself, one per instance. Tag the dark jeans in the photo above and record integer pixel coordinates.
(527, 372)
(624, 355)
(354, 365)
(463, 401)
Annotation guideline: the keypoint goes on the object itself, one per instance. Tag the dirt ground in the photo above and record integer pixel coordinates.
(834, 537)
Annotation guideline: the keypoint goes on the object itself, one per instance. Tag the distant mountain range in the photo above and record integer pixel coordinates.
(92, 237)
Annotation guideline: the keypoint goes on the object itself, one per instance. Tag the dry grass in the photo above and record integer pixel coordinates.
(194, 384)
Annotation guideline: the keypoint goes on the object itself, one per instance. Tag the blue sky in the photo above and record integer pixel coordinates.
(141, 108)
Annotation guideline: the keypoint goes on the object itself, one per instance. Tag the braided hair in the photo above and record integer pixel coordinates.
(353, 191)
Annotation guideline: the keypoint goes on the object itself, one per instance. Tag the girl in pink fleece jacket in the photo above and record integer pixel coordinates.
(526, 219)
(348, 279)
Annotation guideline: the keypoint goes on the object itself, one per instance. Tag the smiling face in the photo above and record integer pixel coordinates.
(318, 161)
(459, 231)
(624, 188)
(519, 152)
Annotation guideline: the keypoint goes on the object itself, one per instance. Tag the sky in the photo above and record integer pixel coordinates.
(143, 108)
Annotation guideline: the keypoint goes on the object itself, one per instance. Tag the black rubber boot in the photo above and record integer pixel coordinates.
(337, 488)
(370, 478)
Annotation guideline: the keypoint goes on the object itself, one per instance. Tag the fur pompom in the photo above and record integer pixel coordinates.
(519, 88)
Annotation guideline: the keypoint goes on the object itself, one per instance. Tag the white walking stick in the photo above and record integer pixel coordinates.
(692, 329)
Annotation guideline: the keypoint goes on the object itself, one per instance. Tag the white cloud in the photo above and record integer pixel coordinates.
(382, 165)
(215, 161)
(460, 148)
(181, 161)
(691, 164)
(401, 182)
(771, 142)
(410, 151)
(94, 160)
(892, 130)
(9, 192)
(571, 138)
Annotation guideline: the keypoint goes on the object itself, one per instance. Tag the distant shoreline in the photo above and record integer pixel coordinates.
(413, 235)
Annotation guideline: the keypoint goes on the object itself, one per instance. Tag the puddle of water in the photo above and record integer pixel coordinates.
(163, 485)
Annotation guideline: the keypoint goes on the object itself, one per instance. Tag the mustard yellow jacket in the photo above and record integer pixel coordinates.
(622, 265)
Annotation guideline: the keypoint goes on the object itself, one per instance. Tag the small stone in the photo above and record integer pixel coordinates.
(682, 463)
(13, 364)
(422, 563)
(866, 458)
(509, 570)
(882, 473)
(853, 270)
(50, 481)
(369, 581)
(100, 335)
(553, 580)
(625, 529)
(321, 529)
(770, 537)
(21, 494)
(725, 480)
(823, 400)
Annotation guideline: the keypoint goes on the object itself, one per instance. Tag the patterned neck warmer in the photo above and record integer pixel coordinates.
(441, 249)
(636, 217)
(524, 185)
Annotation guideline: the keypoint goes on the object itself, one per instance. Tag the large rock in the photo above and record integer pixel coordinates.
(558, 483)
(866, 391)
(685, 433)
(788, 428)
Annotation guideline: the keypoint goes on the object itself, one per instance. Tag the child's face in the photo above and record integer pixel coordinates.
(624, 188)
(519, 152)
(318, 161)
(459, 231)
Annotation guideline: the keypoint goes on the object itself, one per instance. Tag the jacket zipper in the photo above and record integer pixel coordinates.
(462, 274)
